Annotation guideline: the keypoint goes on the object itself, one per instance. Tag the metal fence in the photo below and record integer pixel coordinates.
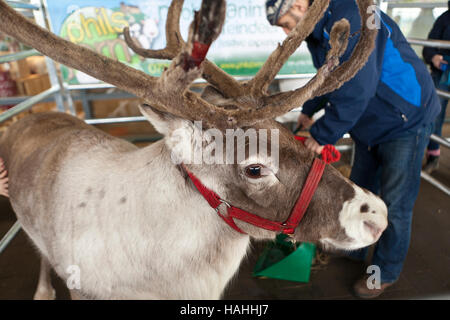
(56, 92)
(445, 94)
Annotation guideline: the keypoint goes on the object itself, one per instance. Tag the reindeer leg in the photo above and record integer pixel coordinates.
(3, 179)
(45, 289)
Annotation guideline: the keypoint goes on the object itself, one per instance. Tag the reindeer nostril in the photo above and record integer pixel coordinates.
(364, 208)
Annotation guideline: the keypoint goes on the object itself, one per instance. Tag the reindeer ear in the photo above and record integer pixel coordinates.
(183, 137)
(162, 121)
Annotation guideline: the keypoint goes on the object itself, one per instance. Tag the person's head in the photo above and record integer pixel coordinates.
(286, 13)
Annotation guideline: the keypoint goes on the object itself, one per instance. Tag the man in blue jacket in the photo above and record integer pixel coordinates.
(389, 109)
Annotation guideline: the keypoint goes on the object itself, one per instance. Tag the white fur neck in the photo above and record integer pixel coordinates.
(164, 224)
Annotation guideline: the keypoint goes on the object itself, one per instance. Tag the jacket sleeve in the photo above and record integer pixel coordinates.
(312, 106)
(346, 105)
(436, 33)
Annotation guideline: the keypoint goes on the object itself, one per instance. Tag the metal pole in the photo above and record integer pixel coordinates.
(22, 5)
(55, 79)
(9, 236)
(435, 183)
(86, 105)
(443, 93)
(27, 104)
(430, 43)
(19, 55)
(15, 100)
(69, 99)
(115, 120)
(440, 140)
(421, 5)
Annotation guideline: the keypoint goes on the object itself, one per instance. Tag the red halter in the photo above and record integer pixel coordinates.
(329, 154)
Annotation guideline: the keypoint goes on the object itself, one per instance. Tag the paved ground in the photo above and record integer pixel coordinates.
(426, 273)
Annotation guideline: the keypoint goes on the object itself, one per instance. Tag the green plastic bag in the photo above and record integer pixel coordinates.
(283, 260)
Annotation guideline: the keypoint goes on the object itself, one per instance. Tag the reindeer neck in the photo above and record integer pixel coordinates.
(177, 217)
(166, 186)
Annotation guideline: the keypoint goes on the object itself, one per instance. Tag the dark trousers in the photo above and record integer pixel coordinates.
(392, 170)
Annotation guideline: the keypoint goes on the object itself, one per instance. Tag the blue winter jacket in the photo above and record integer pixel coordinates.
(391, 96)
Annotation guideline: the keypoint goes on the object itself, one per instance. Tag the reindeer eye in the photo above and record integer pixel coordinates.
(254, 171)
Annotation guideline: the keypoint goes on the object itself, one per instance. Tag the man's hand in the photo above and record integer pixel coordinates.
(437, 60)
(313, 145)
(304, 121)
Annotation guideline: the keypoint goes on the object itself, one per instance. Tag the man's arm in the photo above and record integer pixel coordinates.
(314, 105)
(436, 34)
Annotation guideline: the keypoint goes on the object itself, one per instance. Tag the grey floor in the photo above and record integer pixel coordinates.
(426, 273)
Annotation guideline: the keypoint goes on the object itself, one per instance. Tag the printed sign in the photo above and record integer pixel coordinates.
(246, 41)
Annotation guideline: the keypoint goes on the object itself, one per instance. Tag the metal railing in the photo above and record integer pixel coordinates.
(27, 102)
(9, 236)
(425, 176)
(19, 56)
(429, 178)
(22, 5)
(421, 5)
(115, 120)
(442, 44)
(445, 94)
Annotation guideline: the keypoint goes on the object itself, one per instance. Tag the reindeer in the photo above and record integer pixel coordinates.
(131, 220)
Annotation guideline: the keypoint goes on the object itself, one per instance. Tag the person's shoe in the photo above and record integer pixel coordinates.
(431, 164)
(362, 290)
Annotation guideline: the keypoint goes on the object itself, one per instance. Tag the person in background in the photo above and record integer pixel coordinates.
(439, 60)
(389, 108)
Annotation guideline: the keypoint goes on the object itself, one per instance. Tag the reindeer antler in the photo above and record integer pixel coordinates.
(327, 79)
(174, 41)
(170, 91)
(361, 53)
(261, 81)
(227, 85)
(165, 93)
(72, 55)
(254, 91)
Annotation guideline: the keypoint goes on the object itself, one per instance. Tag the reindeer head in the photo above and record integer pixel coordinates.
(268, 184)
